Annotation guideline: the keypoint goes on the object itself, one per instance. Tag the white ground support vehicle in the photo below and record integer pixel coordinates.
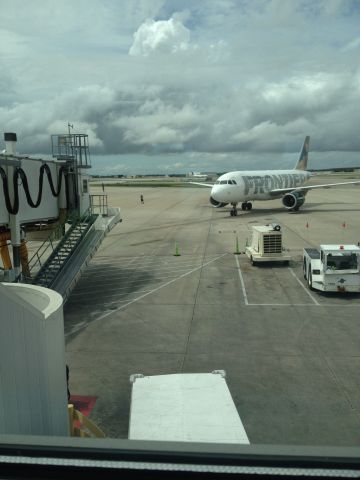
(185, 407)
(266, 245)
(332, 268)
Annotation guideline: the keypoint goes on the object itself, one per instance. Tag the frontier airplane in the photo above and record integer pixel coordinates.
(244, 187)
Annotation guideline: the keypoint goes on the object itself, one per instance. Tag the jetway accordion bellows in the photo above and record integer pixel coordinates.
(13, 208)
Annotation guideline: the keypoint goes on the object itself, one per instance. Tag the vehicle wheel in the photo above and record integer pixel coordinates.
(310, 281)
(249, 206)
(231, 213)
(304, 269)
(252, 260)
(243, 206)
(235, 212)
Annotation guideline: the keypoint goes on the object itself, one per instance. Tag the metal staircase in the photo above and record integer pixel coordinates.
(62, 252)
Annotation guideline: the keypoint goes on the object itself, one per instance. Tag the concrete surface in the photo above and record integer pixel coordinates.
(292, 356)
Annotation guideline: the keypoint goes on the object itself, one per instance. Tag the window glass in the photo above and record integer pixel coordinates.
(342, 261)
(170, 96)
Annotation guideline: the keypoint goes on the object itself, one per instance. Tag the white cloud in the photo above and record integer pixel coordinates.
(81, 127)
(308, 92)
(162, 36)
(213, 79)
(36, 121)
(355, 43)
(159, 124)
(12, 44)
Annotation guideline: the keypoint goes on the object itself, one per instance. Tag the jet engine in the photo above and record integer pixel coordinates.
(293, 200)
(216, 204)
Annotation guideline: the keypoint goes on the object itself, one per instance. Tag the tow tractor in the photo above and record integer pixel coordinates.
(332, 268)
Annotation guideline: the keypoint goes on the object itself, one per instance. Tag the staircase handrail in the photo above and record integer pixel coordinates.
(75, 219)
(87, 216)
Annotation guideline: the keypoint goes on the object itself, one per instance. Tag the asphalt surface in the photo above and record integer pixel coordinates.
(292, 356)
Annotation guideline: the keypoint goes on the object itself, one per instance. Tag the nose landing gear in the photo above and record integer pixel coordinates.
(244, 206)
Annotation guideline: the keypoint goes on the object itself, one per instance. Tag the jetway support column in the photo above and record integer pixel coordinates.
(14, 222)
(33, 398)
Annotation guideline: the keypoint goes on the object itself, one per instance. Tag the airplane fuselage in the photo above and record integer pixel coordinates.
(243, 186)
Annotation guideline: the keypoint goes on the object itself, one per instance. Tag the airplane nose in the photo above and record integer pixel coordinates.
(214, 202)
(214, 192)
(215, 197)
(219, 194)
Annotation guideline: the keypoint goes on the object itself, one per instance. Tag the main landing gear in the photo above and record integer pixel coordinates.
(244, 206)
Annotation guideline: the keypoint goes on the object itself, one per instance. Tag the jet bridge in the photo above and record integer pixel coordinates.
(44, 199)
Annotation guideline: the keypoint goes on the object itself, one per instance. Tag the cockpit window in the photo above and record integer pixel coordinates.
(223, 182)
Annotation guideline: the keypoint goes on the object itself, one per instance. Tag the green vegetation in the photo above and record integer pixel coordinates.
(151, 184)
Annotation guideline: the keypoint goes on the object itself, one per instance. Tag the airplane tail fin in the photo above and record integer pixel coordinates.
(303, 159)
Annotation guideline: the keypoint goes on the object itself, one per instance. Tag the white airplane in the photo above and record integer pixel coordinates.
(198, 175)
(244, 187)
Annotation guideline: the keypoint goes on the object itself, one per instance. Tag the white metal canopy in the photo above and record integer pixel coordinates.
(184, 407)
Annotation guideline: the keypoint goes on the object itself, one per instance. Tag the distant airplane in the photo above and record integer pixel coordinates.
(235, 187)
(198, 175)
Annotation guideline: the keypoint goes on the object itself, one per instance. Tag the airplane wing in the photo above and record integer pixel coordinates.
(202, 184)
(310, 187)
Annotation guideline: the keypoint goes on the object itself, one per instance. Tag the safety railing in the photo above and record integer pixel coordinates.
(81, 426)
(49, 245)
(99, 204)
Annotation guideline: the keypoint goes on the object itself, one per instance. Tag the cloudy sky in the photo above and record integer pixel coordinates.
(173, 86)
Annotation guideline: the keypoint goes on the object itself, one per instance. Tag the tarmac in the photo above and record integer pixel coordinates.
(291, 356)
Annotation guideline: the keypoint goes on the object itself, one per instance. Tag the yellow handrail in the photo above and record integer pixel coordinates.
(87, 428)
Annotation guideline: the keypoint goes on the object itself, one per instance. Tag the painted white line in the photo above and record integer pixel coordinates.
(145, 295)
(164, 259)
(103, 271)
(303, 286)
(146, 261)
(122, 275)
(106, 295)
(119, 286)
(150, 258)
(241, 281)
(282, 305)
